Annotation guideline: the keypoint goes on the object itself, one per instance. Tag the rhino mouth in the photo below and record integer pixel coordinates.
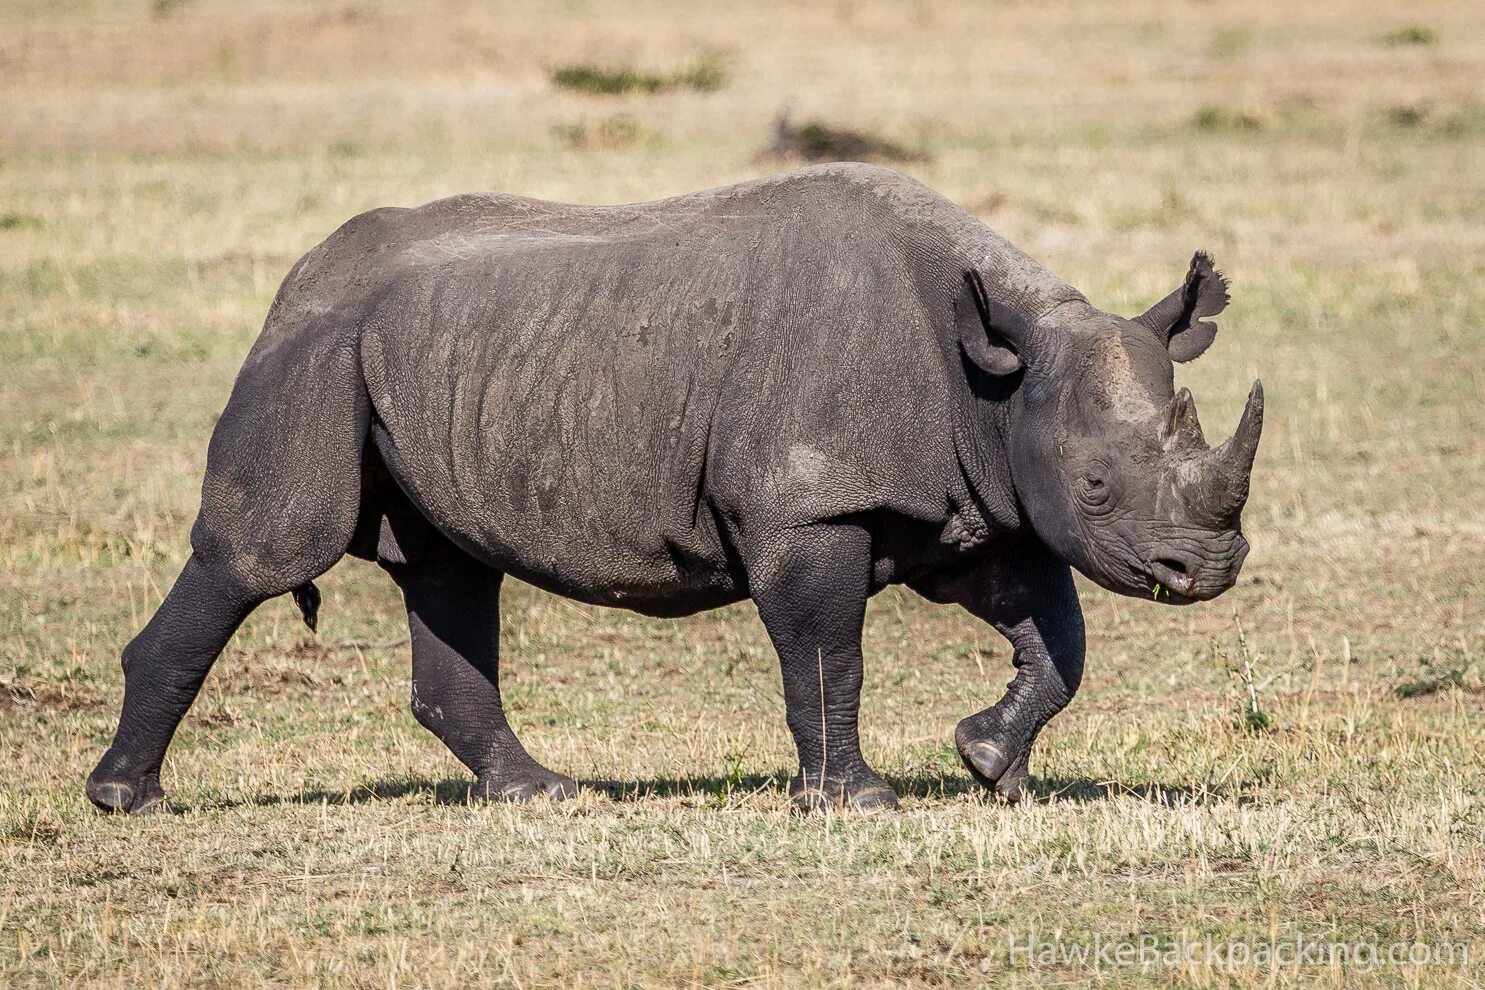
(1169, 574)
(1171, 582)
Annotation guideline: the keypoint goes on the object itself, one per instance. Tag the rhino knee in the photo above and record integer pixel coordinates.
(262, 564)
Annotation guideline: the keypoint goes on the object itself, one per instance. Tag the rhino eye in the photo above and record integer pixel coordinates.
(1094, 491)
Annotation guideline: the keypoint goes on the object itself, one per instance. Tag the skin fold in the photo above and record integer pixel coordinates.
(797, 390)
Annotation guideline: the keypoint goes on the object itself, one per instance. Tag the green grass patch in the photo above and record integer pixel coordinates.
(1224, 119)
(1410, 35)
(706, 74)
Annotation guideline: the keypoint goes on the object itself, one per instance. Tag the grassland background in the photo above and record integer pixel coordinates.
(161, 166)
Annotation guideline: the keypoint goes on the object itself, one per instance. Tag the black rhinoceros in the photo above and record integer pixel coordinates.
(797, 390)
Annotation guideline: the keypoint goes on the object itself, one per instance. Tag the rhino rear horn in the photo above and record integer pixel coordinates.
(1182, 428)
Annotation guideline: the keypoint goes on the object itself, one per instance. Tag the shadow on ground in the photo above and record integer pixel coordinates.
(928, 787)
(1083, 790)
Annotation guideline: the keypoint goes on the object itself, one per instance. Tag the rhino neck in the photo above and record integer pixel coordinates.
(983, 410)
(981, 494)
(944, 242)
(1014, 278)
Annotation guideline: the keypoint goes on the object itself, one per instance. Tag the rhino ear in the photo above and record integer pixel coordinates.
(990, 334)
(1177, 319)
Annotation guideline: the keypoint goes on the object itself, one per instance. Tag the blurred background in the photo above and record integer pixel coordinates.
(164, 162)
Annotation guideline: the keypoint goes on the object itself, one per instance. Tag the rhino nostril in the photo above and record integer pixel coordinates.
(1171, 564)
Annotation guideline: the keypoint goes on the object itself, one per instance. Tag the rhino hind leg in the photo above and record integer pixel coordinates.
(279, 507)
(811, 585)
(453, 610)
(164, 667)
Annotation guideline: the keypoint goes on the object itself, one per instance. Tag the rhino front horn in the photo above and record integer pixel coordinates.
(1232, 463)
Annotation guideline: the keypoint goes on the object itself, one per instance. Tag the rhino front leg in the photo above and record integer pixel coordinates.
(810, 585)
(453, 610)
(1028, 595)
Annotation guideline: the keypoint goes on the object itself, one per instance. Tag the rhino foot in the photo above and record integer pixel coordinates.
(524, 786)
(116, 793)
(866, 792)
(999, 765)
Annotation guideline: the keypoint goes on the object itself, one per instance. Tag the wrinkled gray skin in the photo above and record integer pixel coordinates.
(797, 390)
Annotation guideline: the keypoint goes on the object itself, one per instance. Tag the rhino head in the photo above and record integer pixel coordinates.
(1108, 460)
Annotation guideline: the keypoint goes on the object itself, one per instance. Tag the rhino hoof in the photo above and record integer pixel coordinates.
(121, 797)
(994, 769)
(876, 798)
(836, 795)
(525, 788)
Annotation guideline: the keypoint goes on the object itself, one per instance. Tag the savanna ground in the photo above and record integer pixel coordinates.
(161, 166)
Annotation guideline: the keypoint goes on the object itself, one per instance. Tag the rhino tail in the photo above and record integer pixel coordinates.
(307, 597)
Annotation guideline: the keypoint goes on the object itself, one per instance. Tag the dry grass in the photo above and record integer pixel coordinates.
(162, 164)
